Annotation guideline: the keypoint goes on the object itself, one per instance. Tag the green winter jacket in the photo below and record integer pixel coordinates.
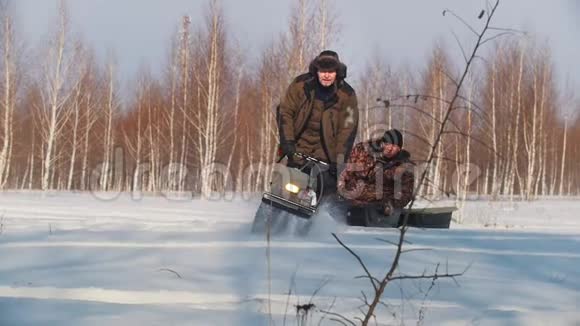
(338, 119)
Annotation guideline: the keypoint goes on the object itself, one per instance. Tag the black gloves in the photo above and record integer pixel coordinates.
(332, 169)
(288, 148)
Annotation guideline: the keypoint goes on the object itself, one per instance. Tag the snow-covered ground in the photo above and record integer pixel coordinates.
(79, 259)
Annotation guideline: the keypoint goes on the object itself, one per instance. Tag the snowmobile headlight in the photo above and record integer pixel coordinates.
(292, 188)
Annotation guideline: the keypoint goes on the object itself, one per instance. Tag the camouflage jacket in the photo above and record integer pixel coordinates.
(371, 178)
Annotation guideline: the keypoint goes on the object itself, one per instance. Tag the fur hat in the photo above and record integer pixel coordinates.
(328, 60)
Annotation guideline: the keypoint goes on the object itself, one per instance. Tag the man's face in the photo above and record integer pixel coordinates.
(326, 78)
(390, 150)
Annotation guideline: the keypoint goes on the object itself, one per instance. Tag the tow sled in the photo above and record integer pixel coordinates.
(372, 216)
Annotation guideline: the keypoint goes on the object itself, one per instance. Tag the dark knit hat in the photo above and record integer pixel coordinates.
(393, 136)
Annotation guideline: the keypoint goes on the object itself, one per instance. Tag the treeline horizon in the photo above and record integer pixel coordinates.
(207, 123)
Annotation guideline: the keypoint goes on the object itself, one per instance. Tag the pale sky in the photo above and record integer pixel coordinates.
(139, 31)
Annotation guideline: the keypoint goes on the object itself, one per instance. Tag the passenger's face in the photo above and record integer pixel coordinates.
(390, 150)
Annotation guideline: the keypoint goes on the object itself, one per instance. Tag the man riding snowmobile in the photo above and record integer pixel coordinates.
(318, 116)
(379, 172)
(317, 122)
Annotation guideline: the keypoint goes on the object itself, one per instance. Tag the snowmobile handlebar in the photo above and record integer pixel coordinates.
(311, 159)
(304, 156)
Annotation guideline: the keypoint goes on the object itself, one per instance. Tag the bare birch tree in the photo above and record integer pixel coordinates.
(60, 79)
(110, 108)
(326, 24)
(90, 116)
(212, 100)
(76, 113)
(184, 55)
(563, 157)
(8, 85)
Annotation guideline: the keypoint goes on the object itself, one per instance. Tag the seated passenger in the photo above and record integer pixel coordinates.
(379, 171)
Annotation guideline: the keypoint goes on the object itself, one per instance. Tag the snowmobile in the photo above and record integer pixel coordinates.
(294, 192)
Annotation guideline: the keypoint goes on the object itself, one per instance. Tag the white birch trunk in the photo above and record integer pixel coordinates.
(108, 143)
(54, 89)
(495, 185)
(172, 112)
(74, 140)
(531, 142)
(8, 99)
(323, 24)
(31, 160)
(563, 158)
(210, 140)
(235, 133)
(185, 90)
(514, 157)
(90, 119)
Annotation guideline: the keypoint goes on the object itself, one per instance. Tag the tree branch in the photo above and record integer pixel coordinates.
(370, 277)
